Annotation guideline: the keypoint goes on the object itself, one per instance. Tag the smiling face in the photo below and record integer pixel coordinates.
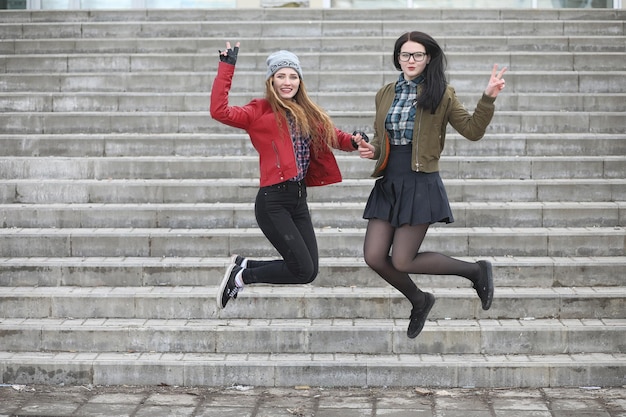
(286, 83)
(411, 68)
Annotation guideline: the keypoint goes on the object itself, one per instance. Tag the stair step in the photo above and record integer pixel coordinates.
(182, 167)
(513, 272)
(197, 191)
(238, 144)
(473, 241)
(289, 14)
(299, 45)
(301, 369)
(324, 214)
(307, 302)
(263, 28)
(302, 44)
(331, 101)
(316, 61)
(317, 336)
(582, 82)
(200, 122)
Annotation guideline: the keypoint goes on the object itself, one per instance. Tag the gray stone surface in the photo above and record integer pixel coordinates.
(304, 401)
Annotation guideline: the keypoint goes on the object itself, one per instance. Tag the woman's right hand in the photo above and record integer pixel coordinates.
(229, 56)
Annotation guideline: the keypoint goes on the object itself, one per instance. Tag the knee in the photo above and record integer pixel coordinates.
(306, 274)
(400, 264)
(373, 261)
(310, 278)
(307, 277)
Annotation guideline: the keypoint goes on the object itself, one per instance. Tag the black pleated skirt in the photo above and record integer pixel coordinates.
(403, 196)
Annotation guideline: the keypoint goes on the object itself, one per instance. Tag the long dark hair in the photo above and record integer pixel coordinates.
(434, 73)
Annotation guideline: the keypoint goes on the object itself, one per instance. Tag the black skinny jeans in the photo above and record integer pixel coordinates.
(283, 215)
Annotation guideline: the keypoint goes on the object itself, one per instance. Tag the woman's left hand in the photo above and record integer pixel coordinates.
(366, 150)
(496, 82)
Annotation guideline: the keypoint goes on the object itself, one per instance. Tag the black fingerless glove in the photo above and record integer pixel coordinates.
(231, 56)
(363, 135)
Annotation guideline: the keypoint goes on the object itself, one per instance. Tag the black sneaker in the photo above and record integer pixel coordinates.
(228, 289)
(418, 316)
(237, 260)
(484, 285)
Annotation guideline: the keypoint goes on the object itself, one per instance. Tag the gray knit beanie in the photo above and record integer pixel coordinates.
(282, 59)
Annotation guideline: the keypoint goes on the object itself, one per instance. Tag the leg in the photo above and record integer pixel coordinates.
(378, 240)
(283, 216)
(406, 256)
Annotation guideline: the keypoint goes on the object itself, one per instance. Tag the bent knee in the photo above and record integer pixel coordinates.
(377, 263)
(306, 274)
(308, 277)
(401, 264)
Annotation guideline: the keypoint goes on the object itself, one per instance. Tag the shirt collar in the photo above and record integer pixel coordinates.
(411, 83)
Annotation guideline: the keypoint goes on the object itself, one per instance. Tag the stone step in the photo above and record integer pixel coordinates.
(209, 14)
(579, 82)
(303, 44)
(311, 61)
(264, 28)
(317, 336)
(234, 167)
(335, 242)
(235, 190)
(510, 271)
(200, 122)
(344, 370)
(288, 14)
(69, 102)
(323, 214)
(237, 144)
(307, 302)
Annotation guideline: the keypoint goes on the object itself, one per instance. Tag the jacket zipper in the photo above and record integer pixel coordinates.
(277, 155)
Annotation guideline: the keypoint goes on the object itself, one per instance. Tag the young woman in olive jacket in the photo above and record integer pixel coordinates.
(409, 133)
(294, 139)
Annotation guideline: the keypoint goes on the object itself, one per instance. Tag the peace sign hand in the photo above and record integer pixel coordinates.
(496, 82)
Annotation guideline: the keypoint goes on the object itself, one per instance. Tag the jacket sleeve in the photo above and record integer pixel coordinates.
(379, 127)
(344, 140)
(240, 117)
(470, 126)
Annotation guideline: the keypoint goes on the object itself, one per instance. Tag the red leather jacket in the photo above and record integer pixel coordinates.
(277, 160)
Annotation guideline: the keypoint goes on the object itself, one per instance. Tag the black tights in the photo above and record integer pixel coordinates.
(406, 259)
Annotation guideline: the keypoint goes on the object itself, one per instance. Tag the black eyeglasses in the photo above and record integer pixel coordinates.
(417, 56)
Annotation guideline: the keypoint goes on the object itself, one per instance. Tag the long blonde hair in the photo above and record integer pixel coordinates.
(310, 119)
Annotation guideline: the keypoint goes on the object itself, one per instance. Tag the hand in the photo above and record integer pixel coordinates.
(496, 82)
(357, 137)
(366, 150)
(230, 55)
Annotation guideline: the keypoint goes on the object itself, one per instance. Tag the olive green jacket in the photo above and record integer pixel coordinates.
(429, 133)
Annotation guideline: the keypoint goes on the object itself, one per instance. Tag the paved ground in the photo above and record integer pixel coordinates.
(240, 401)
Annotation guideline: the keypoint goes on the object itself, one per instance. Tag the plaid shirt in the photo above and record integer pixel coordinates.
(400, 120)
(302, 149)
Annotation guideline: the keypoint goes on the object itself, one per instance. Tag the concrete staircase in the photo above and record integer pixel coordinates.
(121, 202)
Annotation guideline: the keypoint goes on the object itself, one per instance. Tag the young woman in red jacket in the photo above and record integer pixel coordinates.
(294, 138)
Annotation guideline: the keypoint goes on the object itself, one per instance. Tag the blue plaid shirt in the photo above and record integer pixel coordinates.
(302, 149)
(400, 120)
